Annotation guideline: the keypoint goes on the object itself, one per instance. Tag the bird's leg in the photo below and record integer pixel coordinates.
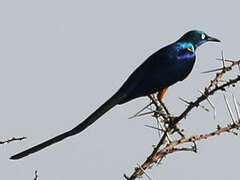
(160, 97)
(161, 94)
(157, 100)
(159, 113)
(161, 126)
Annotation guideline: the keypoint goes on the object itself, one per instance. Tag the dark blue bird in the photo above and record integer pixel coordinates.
(162, 69)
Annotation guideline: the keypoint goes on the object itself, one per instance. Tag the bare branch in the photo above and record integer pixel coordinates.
(12, 139)
(162, 149)
(171, 148)
(36, 175)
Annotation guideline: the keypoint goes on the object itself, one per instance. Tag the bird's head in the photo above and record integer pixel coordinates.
(196, 38)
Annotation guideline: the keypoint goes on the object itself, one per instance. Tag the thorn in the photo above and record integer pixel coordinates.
(204, 108)
(185, 101)
(223, 61)
(159, 129)
(226, 60)
(211, 104)
(146, 113)
(236, 109)
(137, 114)
(229, 109)
(159, 125)
(213, 70)
(159, 161)
(189, 103)
(148, 176)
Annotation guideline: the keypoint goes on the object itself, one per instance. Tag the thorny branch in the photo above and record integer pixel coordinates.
(162, 149)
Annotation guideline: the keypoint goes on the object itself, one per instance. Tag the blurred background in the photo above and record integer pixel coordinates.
(60, 60)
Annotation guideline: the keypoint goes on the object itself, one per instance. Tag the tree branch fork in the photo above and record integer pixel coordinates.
(169, 123)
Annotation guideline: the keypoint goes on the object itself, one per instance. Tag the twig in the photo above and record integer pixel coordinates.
(204, 97)
(158, 153)
(219, 75)
(171, 148)
(12, 139)
(36, 175)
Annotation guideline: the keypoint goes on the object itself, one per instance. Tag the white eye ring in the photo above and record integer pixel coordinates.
(203, 36)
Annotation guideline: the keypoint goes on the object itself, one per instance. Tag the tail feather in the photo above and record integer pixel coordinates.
(114, 100)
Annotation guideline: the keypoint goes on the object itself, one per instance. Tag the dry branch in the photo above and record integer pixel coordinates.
(162, 149)
(12, 139)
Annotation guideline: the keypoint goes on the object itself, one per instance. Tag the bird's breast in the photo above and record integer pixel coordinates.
(185, 65)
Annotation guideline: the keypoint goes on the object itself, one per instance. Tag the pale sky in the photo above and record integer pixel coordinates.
(60, 60)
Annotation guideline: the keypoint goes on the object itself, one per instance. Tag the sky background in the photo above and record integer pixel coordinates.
(60, 60)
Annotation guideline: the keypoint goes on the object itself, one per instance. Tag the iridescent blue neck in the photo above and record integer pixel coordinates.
(186, 45)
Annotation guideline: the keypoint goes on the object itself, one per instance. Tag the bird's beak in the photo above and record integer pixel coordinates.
(212, 39)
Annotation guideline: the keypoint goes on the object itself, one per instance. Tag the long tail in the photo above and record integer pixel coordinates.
(114, 100)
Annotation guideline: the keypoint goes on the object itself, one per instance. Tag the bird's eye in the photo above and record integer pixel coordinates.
(203, 36)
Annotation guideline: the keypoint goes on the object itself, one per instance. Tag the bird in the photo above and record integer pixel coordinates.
(165, 67)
